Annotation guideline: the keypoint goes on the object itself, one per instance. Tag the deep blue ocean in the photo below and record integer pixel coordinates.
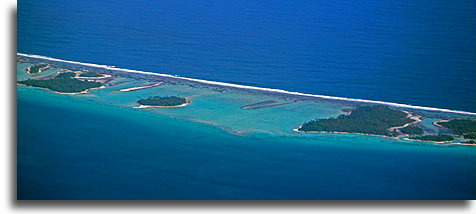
(76, 149)
(415, 52)
(412, 52)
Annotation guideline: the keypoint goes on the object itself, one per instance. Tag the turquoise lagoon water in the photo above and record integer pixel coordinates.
(95, 146)
(416, 52)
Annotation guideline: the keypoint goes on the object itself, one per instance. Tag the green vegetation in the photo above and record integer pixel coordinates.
(65, 75)
(364, 119)
(62, 83)
(470, 136)
(163, 101)
(464, 127)
(460, 126)
(90, 74)
(412, 130)
(469, 142)
(36, 68)
(435, 138)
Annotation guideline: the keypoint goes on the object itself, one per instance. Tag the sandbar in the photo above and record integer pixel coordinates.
(151, 106)
(140, 87)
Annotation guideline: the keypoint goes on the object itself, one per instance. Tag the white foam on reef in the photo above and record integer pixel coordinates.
(249, 87)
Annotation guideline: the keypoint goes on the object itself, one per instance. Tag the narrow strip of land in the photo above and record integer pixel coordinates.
(151, 106)
(416, 119)
(104, 76)
(140, 87)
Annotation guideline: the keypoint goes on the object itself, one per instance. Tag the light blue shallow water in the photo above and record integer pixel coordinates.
(92, 147)
(416, 52)
(71, 148)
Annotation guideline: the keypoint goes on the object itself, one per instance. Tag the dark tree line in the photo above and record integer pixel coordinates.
(36, 68)
(63, 82)
(469, 142)
(470, 136)
(363, 119)
(163, 101)
(461, 127)
(436, 138)
(90, 74)
(412, 130)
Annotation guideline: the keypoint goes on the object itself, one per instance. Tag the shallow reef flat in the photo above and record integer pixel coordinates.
(227, 143)
(234, 108)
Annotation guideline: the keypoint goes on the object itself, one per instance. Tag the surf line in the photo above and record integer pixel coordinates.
(248, 87)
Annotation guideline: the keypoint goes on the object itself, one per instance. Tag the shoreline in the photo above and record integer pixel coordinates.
(436, 123)
(465, 144)
(396, 138)
(176, 106)
(188, 102)
(139, 87)
(250, 87)
(409, 115)
(409, 139)
(104, 76)
(69, 93)
(402, 137)
(337, 132)
(39, 70)
(81, 92)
